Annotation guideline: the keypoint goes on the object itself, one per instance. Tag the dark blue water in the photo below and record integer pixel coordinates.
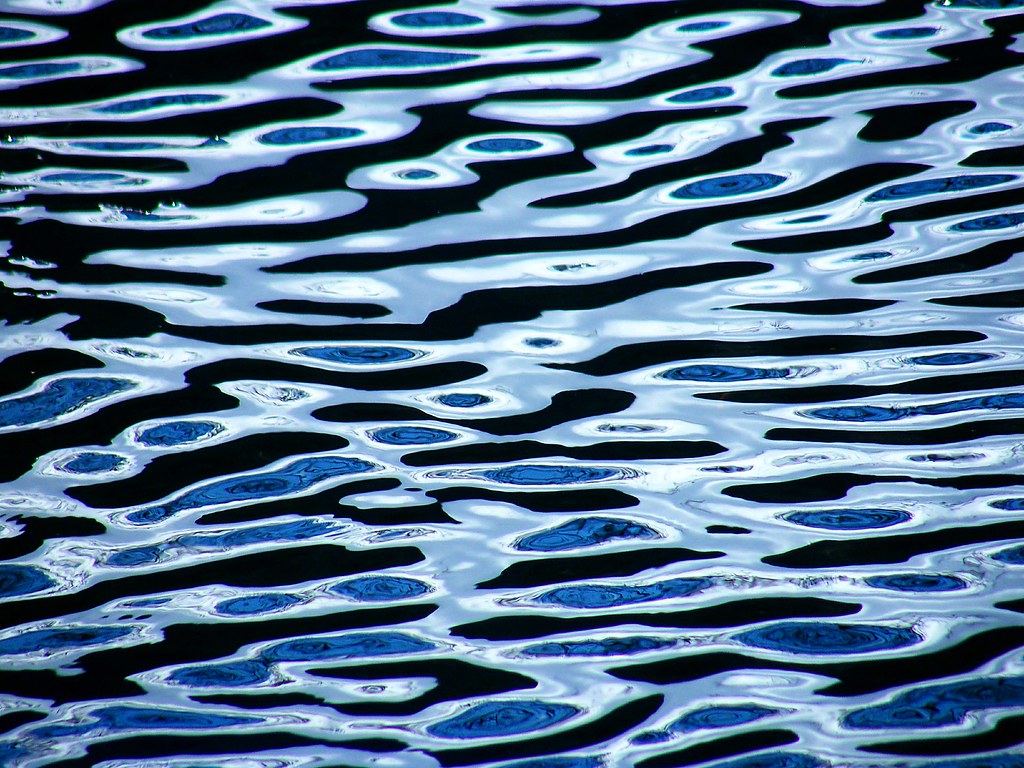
(528, 384)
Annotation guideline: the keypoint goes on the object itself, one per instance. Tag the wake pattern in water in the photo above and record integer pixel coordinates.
(528, 385)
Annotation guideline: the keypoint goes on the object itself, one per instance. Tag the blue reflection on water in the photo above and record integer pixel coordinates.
(612, 646)
(351, 646)
(295, 477)
(18, 580)
(57, 398)
(503, 718)
(726, 186)
(935, 706)
(374, 58)
(584, 532)
(609, 596)
(826, 638)
(60, 639)
(218, 24)
(381, 588)
(848, 519)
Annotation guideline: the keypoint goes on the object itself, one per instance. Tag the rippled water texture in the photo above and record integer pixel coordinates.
(525, 384)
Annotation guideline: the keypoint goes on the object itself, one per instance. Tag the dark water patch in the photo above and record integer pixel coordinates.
(456, 679)
(727, 529)
(12, 720)
(476, 309)
(893, 548)
(494, 453)
(998, 157)
(978, 259)
(731, 746)
(1006, 733)
(552, 570)
(818, 306)
(1012, 299)
(739, 154)
(944, 436)
(37, 530)
(907, 121)
(430, 375)
(362, 311)
(565, 406)
(21, 370)
(585, 532)
(581, 500)
(820, 241)
(823, 487)
(533, 626)
(642, 354)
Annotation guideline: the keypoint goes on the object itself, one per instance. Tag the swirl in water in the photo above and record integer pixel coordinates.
(727, 186)
(584, 532)
(49, 640)
(503, 718)
(825, 638)
(381, 588)
(16, 580)
(848, 519)
(935, 706)
(608, 596)
(411, 435)
(611, 646)
(352, 646)
(252, 605)
(723, 373)
(917, 582)
(220, 24)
